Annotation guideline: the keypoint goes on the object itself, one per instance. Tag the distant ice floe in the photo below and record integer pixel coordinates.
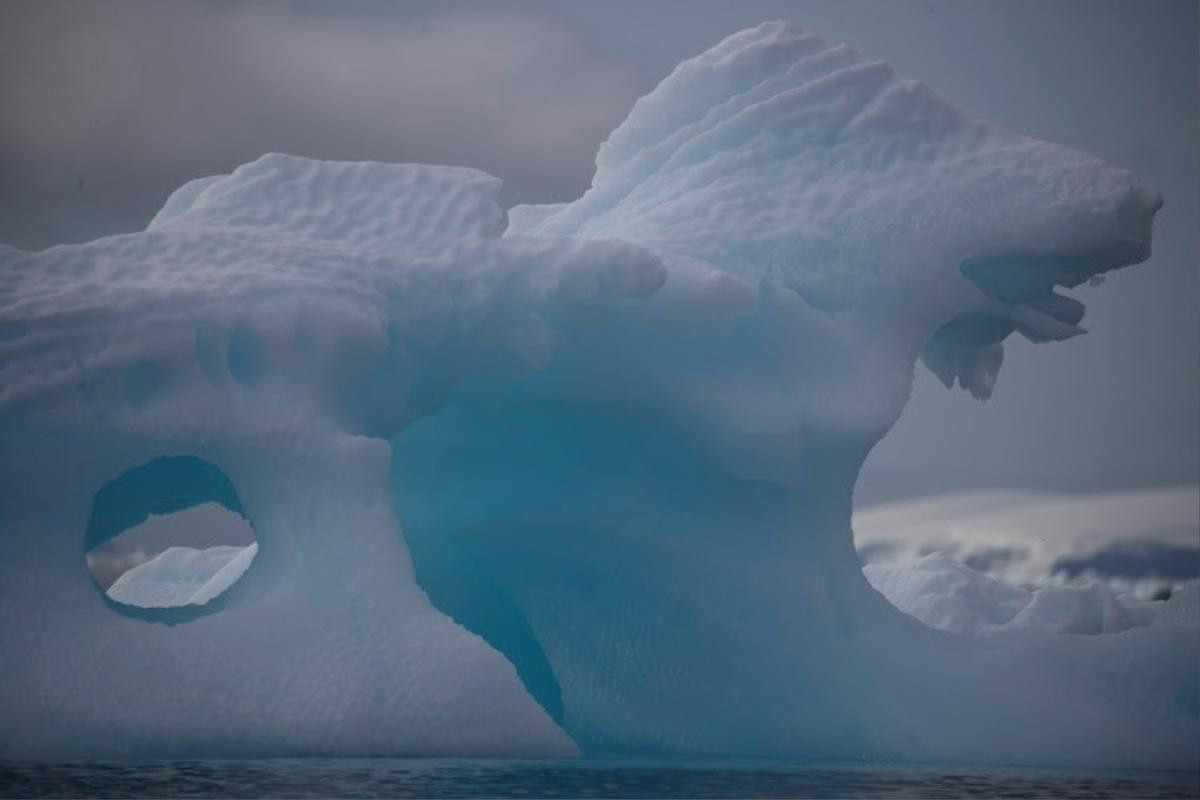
(183, 576)
(946, 594)
(197, 527)
(987, 562)
(1138, 541)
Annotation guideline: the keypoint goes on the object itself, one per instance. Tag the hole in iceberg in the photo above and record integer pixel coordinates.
(166, 540)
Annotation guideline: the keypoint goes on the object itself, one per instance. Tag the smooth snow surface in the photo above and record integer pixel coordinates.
(621, 434)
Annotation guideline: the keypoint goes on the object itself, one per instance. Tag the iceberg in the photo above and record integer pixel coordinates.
(577, 478)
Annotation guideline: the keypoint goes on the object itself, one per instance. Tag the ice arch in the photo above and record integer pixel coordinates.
(631, 424)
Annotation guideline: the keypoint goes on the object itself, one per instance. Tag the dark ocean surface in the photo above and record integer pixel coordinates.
(444, 778)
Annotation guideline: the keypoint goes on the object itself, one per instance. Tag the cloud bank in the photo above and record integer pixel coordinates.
(123, 98)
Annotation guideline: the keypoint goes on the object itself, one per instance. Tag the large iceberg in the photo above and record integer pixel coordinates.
(578, 479)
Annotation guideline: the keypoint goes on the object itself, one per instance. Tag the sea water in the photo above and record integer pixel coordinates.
(622, 778)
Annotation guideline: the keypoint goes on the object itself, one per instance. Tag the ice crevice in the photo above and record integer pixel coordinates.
(577, 482)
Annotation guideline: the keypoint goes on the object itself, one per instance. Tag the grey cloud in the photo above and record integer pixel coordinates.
(125, 100)
(108, 565)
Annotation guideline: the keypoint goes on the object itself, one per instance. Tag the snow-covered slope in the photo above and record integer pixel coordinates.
(621, 436)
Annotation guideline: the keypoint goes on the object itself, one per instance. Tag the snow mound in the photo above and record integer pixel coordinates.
(181, 576)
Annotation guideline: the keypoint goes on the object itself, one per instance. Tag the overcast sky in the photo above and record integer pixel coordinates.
(105, 107)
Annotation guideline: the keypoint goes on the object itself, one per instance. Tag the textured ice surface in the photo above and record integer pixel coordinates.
(621, 438)
(180, 576)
